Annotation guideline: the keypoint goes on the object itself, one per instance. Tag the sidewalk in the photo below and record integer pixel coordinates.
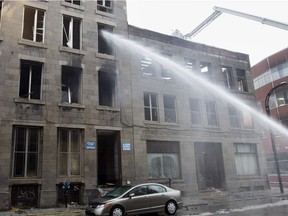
(206, 201)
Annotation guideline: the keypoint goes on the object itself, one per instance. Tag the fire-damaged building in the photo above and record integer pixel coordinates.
(78, 112)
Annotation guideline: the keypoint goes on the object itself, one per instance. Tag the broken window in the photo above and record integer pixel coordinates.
(69, 143)
(71, 32)
(196, 112)
(169, 108)
(26, 145)
(103, 46)
(150, 107)
(190, 64)
(1, 5)
(228, 77)
(107, 88)
(205, 69)
(165, 72)
(147, 67)
(30, 80)
(71, 84)
(33, 24)
(211, 113)
(104, 5)
(246, 159)
(233, 116)
(241, 80)
(76, 2)
(163, 159)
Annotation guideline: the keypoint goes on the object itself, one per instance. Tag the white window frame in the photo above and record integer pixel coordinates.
(69, 35)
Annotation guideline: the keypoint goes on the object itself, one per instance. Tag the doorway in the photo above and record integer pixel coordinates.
(109, 160)
(209, 165)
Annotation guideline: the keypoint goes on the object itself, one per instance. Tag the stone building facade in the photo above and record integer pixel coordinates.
(78, 112)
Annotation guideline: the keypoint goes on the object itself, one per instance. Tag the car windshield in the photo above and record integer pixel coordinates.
(118, 191)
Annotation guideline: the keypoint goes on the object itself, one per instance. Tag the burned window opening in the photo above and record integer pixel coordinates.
(165, 72)
(104, 6)
(241, 80)
(1, 5)
(71, 32)
(103, 46)
(107, 89)
(71, 84)
(190, 64)
(205, 69)
(33, 24)
(76, 2)
(147, 67)
(170, 108)
(30, 80)
(228, 77)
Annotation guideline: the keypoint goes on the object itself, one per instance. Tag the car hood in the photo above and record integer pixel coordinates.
(101, 200)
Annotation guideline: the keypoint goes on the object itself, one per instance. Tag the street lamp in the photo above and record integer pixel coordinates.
(272, 136)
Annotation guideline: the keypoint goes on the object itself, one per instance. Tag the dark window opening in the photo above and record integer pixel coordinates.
(30, 80)
(71, 84)
(228, 77)
(165, 72)
(150, 107)
(33, 24)
(169, 108)
(76, 2)
(241, 80)
(71, 32)
(107, 87)
(103, 46)
(26, 142)
(1, 3)
(147, 67)
(190, 64)
(104, 6)
(233, 116)
(205, 69)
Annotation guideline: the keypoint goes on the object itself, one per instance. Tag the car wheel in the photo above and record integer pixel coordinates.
(171, 207)
(117, 211)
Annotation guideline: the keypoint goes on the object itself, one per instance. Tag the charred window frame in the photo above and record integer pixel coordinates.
(104, 46)
(76, 2)
(165, 72)
(72, 32)
(150, 106)
(170, 108)
(234, 117)
(205, 69)
(246, 159)
(228, 77)
(190, 64)
(71, 79)
(33, 24)
(107, 88)
(147, 67)
(27, 142)
(1, 7)
(163, 159)
(104, 6)
(69, 151)
(196, 111)
(241, 80)
(211, 110)
(30, 79)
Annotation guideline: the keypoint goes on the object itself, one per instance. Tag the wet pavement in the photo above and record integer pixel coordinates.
(206, 201)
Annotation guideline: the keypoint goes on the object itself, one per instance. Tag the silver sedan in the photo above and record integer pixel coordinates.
(139, 199)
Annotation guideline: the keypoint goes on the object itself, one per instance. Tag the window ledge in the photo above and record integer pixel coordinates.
(104, 13)
(106, 108)
(29, 101)
(70, 50)
(71, 5)
(71, 105)
(105, 56)
(32, 43)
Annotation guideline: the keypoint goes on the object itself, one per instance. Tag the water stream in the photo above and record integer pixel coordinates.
(196, 80)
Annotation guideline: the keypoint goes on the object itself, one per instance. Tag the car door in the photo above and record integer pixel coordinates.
(157, 197)
(138, 201)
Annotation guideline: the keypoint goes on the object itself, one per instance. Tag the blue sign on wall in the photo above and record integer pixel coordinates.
(90, 145)
(126, 147)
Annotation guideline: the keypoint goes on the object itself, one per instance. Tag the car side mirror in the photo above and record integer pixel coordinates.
(131, 195)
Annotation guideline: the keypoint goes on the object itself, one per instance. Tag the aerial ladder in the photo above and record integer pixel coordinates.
(218, 11)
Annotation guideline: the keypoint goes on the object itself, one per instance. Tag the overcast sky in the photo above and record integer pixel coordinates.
(227, 31)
